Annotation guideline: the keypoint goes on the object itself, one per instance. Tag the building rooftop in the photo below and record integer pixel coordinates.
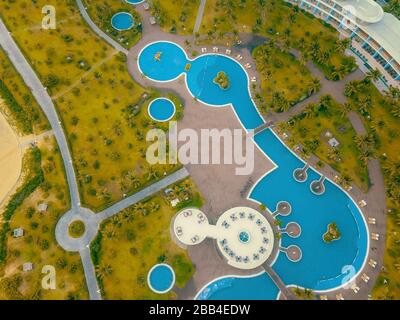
(366, 10)
(387, 33)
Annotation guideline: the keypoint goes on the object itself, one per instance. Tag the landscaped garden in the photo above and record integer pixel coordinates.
(380, 114)
(130, 243)
(315, 126)
(104, 112)
(101, 12)
(35, 210)
(19, 106)
(175, 16)
(285, 81)
(289, 26)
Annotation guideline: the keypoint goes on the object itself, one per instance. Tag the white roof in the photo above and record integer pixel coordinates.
(365, 10)
(387, 33)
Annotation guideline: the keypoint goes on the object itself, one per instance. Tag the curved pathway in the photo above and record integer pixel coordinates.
(97, 30)
(44, 100)
(91, 220)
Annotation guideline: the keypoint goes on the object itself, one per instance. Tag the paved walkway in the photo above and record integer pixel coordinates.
(199, 17)
(97, 30)
(41, 95)
(91, 220)
(150, 34)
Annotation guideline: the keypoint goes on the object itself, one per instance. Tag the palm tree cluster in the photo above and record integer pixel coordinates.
(392, 98)
(366, 145)
(392, 172)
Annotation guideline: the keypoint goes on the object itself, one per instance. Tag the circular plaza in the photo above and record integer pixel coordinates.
(244, 237)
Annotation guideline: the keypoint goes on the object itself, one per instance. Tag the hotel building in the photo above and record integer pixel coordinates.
(375, 34)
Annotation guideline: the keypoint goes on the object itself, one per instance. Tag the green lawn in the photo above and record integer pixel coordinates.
(378, 115)
(38, 244)
(130, 243)
(282, 75)
(103, 111)
(20, 107)
(278, 20)
(309, 129)
(176, 16)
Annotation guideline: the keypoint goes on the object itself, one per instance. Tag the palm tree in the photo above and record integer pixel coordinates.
(152, 174)
(396, 110)
(140, 208)
(351, 88)
(374, 74)
(154, 206)
(314, 86)
(309, 111)
(342, 45)
(344, 109)
(339, 73)
(104, 270)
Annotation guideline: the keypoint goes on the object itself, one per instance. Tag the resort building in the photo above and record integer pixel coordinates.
(375, 34)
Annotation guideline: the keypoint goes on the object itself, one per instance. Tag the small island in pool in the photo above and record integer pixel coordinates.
(332, 233)
(222, 80)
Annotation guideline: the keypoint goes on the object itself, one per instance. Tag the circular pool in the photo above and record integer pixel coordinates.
(134, 1)
(122, 21)
(161, 109)
(161, 278)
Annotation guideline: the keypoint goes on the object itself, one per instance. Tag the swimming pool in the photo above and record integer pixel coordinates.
(161, 109)
(122, 21)
(322, 266)
(134, 1)
(161, 278)
(240, 288)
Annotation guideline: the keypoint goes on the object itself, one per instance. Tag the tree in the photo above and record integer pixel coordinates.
(104, 270)
(314, 86)
(342, 45)
(344, 109)
(374, 74)
(351, 88)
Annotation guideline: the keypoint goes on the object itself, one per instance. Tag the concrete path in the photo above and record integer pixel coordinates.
(43, 98)
(97, 30)
(145, 193)
(90, 274)
(199, 17)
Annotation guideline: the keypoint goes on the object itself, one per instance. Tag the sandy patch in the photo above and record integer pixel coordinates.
(10, 159)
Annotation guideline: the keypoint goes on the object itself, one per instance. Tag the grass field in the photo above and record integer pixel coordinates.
(130, 243)
(104, 112)
(277, 20)
(310, 130)
(21, 108)
(38, 244)
(281, 73)
(384, 126)
(177, 16)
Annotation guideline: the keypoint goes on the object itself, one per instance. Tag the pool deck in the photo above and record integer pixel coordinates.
(210, 178)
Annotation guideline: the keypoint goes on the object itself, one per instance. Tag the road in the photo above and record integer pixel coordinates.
(199, 17)
(44, 100)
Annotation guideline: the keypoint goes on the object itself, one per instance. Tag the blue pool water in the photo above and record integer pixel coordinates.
(134, 1)
(233, 288)
(244, 237)
(122, 21)
(161, 278)
(161, 109)
(321, 265)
